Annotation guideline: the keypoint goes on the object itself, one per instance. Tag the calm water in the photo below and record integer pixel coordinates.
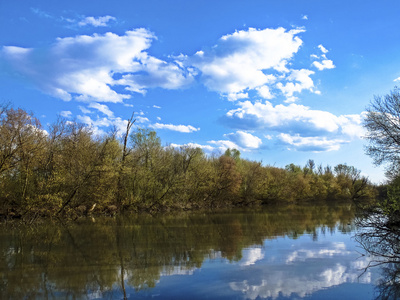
(290, 253)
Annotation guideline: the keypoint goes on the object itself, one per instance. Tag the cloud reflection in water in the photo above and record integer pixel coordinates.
(299, 272)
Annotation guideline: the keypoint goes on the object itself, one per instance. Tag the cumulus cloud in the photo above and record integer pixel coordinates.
(248, 63)
(297, 125)
(351, 125)
(313, 144)
(323, 49)
(180, 128)
(223, 145)
(102, 108)
(298, 80)
(110, 67)
(265, 92)
(88, 68)
(66, 114)
(289, 118)
(246, 60)
(245, 139)
(96, 22)
(325, 64)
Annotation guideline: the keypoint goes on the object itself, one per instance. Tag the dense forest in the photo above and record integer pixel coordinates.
(67, 170)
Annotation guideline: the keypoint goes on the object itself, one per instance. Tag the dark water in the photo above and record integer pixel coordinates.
(286, 253)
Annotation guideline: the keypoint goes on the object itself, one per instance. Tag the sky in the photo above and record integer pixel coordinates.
(282, 81)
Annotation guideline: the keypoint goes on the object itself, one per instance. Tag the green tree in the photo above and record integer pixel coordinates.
(22, 143)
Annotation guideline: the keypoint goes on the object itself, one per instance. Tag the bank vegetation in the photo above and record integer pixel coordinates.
(68, 171)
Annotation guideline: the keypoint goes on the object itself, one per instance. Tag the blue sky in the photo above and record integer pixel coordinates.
(282, 81)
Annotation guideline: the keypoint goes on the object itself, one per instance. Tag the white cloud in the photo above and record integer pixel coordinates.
(293, 118)
(87, 68)
(244, 142)
(223, 145)
(251, 256)
(237, 96)
(245, 139)
(298, 80)
(96, 22)
(304, 254)
(156, 106)
(180, 128)
(99, 125)
(282, 118)
(140, 119)
(102, 108)
(325, 64)
(397, 79)
(265, 92)
(110, 67)
(66, 114)
(84, 110)
(323, 49)
(313, 144)
(95, 124)
(351, 125)
(268, 137)
(298, 126)
(240, 61)
(289, 284)
(305, 17)
(301, 273)
(17, 52)
(157, 73)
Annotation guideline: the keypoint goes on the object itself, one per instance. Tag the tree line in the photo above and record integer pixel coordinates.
(67, 170)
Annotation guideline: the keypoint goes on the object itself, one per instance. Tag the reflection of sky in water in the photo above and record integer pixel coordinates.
(301, 267)
(282, 268)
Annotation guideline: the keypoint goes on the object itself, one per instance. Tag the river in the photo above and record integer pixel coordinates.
(293, 252)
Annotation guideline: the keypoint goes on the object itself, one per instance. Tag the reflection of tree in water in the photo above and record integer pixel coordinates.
(79, 259)
(380, 237)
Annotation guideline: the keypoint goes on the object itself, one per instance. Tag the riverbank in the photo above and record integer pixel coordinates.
(68, 171)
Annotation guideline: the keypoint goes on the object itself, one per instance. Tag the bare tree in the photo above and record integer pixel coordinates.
(125, 153)
(383, 131)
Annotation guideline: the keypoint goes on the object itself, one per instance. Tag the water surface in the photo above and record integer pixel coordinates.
(275, 253)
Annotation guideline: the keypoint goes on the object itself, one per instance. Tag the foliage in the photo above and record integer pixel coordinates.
(69, 171)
